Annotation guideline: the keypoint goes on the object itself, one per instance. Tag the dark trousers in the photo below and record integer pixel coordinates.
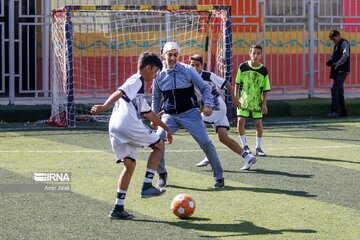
(337, 95)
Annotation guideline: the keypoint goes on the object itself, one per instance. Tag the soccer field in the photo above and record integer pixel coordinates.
(307, 188)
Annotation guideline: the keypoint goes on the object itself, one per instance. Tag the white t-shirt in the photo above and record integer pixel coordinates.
(126, 125)
(218, 105)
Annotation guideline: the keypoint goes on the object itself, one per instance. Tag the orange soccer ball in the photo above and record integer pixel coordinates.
(183, 205)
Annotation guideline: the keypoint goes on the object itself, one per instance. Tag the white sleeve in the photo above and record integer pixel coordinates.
(220, 82)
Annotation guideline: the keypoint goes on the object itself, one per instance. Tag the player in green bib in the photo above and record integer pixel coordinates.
(252, 85)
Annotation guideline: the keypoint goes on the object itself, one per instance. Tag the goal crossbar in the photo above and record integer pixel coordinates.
(75, 8)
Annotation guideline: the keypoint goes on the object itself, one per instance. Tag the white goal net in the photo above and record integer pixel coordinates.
(95, 49)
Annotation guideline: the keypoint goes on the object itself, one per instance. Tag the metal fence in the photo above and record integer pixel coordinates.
(293, 32)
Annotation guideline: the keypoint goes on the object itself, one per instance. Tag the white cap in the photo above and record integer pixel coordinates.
(170, 46)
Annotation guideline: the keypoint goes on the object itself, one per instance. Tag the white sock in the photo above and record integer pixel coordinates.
(243, 140)
(149, 175)
(121, 194)
(258, 142)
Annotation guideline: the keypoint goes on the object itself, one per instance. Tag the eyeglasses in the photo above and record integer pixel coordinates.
(172, 54)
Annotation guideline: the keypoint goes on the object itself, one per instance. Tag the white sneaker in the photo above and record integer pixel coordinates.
(249, 161)
(203, 163)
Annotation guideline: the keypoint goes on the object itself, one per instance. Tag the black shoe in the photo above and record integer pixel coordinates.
(152, 192)
(118, 215)
(332, 115)
(161, 182)
(219, 183)
(260, 152)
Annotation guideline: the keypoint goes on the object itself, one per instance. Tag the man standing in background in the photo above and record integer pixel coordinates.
(340, 67)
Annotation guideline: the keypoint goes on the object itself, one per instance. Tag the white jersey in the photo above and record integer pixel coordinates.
(218, 105)
(126, 125)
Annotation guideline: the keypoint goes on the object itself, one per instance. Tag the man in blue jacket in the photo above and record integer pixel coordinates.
(174, 94)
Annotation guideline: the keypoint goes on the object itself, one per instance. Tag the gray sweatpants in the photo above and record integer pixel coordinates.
(191, 121)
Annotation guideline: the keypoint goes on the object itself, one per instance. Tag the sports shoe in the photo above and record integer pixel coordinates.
(247, 149)
(161, 182)
(260, 152)
(332, 115)
(118, 215)
(152, 192)
(203, 163)
(219, 183)
(249, 161)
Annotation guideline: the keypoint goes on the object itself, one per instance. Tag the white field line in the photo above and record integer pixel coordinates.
(172, 151)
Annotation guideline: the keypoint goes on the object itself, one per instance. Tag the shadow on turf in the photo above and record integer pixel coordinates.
(306, 128)
(318, 159)
(319, 138)
(244, 228)
(251, 189)
(270, 172)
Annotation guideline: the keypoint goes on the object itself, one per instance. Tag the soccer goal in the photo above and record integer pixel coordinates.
(95, 49)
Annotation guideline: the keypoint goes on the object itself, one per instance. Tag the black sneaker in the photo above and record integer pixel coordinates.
(161, 182)
(152, 192)
(260, 152)
(219, 183)
(247, 149)
(120, 215)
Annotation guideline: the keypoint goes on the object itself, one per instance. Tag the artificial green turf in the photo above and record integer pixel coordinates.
(307, 188)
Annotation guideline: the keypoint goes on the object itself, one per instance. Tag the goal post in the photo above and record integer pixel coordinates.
(70, 109)
(95, 49)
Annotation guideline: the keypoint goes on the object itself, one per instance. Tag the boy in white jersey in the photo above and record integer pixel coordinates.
(128, 132)
(252, 86)
(218, 118)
